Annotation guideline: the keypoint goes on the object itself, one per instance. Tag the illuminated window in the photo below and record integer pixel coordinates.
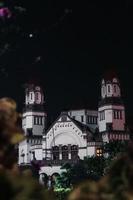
(99, 152)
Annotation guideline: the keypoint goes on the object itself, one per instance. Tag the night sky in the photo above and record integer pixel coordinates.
(69, 45)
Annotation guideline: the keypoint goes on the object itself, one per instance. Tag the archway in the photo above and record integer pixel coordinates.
(43, 179)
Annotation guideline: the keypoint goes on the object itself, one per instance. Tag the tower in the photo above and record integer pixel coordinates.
(34, 116)
(111, 111)
(33, 124)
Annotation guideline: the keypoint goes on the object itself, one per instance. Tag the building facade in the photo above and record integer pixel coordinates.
(75, 134)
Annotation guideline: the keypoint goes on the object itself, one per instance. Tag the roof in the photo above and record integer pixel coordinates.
(80, 125)
(110, 75)
(111, 100)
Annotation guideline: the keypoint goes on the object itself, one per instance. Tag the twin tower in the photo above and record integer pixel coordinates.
(110, 117)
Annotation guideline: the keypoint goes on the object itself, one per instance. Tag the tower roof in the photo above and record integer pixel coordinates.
(110, 75)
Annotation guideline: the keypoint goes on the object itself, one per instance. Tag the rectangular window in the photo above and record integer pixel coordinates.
(34, 120)
(39, 120)
(120, 114)
(108, 88)
(82, 118)
(37, 96)
(115, 88)
(103, 115)
(117, 112)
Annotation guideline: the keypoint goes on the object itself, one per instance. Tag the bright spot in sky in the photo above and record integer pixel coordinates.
(30, 35)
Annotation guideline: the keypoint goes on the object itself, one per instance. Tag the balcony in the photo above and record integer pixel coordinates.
(51, 163)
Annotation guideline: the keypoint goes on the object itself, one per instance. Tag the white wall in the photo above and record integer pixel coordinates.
(65, 133)
(118, 124)
(24, 148)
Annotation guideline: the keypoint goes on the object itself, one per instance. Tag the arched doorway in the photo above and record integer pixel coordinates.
(43, 179)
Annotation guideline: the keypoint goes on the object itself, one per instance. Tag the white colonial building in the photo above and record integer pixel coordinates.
(75, 134)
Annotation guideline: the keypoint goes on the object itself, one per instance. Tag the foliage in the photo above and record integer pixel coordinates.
(91, 168)
(14, 184)
(115, 147)
(116, 185)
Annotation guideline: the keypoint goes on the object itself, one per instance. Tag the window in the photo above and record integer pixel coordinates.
(82, 118)
(64, 118)
(99, 152)
(102, 115)
(37, 120)
(117, 114)
(74, 152)
(55, 152)
(120, 114)
(103, 90)
(92, 120)
(37, 96)
(96, 120)
(109, 126)
(65, 152)
(40, 120)
(115, 89)
(31, 95)
(88, 119)
(108, 88)
(29, 132)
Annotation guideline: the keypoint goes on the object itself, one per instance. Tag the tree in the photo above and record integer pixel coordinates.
(14, 184)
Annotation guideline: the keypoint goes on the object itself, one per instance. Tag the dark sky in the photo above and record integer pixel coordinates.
(77, 42)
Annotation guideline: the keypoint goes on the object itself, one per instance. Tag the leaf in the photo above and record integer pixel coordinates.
(16, 138)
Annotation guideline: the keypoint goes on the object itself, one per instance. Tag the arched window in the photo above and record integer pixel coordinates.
(65, 152)
(74, 152)
(55, 152)
(115, 89)
(37, 96)
(109, 88)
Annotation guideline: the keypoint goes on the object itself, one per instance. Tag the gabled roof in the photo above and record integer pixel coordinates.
(80, 125)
